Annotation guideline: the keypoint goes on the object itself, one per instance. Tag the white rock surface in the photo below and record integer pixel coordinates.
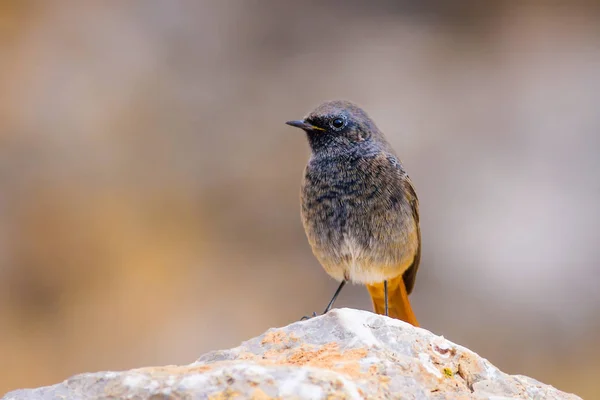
(346, 354)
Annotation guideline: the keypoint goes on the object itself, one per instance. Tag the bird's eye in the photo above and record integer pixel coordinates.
(338, 123)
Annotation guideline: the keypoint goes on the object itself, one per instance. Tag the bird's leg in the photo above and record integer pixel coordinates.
(335, 295)
(385, 296)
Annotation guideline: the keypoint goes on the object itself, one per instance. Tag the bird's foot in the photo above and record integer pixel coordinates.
(307, 317)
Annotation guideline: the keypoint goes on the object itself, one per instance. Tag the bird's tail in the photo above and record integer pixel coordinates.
(398, 303)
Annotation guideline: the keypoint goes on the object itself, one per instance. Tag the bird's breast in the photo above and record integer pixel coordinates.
(355, 219)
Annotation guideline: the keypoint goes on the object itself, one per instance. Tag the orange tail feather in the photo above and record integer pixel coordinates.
(398, 303)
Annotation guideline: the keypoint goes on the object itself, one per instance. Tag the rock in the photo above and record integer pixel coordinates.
(345, 354)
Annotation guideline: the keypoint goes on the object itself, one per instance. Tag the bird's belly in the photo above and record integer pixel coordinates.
(358, 255)
(360, 264)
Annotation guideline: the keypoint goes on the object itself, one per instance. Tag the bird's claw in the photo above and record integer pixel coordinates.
(307, 317)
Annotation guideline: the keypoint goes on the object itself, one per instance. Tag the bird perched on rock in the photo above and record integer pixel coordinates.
(359, 208)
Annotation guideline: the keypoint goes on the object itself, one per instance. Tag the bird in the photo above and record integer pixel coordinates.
(359, 208)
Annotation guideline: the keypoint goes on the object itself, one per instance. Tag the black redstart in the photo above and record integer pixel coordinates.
(359, 208)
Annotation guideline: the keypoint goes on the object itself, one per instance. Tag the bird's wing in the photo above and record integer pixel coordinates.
(410, 274)
(408, 191)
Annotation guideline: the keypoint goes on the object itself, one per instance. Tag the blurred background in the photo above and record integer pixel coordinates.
(149, 204)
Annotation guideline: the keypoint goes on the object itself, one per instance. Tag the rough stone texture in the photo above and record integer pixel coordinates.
(346, 354)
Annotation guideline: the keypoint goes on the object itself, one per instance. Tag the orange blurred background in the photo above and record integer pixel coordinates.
(149, 209)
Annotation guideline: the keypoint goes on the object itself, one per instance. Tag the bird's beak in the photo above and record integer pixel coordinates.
(304, 125)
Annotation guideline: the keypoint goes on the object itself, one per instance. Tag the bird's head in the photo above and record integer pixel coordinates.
(337, 124)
